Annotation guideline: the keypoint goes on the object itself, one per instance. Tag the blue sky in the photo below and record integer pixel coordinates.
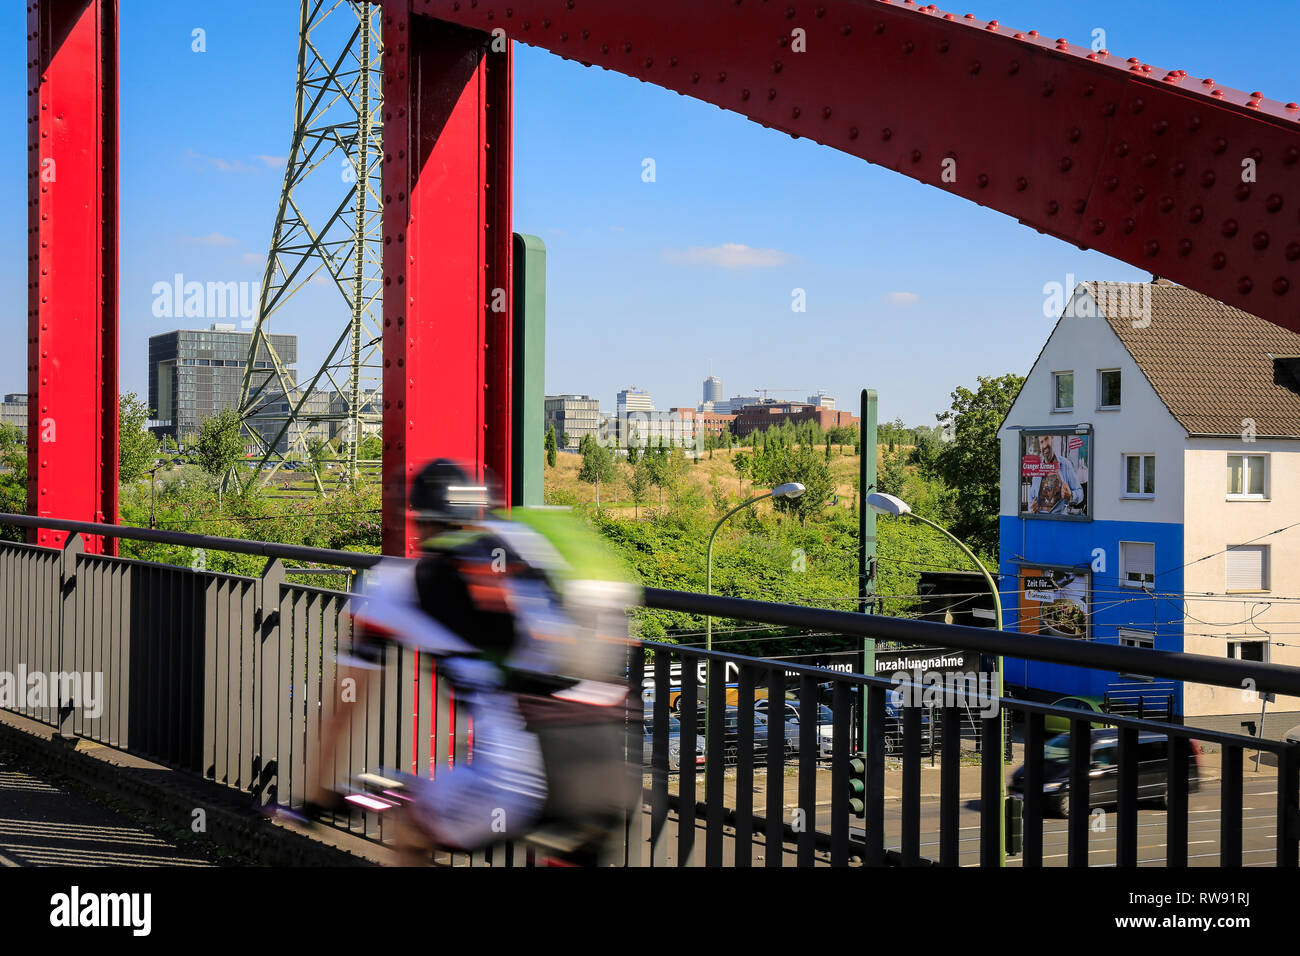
(909, 291)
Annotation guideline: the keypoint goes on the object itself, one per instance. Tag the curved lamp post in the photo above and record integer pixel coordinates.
(789, 490)
(890, 505)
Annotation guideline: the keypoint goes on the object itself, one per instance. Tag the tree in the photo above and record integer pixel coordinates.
(828, 447)
(971, 463)
(892, 477)
(136, 447)
(638, 484)
(564, 439)
(597, 465)
(550, 446)
(740, 461)
(805, 466)
(13, 479)
(319, 450)
(220, 445)
(371, 448)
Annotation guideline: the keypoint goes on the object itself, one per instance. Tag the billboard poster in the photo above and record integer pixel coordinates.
(1055, 602)
(1054, 474)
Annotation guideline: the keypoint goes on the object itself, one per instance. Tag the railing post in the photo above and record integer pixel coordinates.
(66, 604)
(266, 762)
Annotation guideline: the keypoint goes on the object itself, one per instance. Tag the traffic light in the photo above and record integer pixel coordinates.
(858, 785)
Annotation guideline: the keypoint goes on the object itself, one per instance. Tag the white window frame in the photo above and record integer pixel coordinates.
(1129, 637)
(1142, 456)
(1101, 391)
(1234, 648)
(1245, 474)
(1266, 569)
(1063, 408)
(1123, 566)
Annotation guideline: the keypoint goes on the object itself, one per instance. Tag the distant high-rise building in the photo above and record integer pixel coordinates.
(821, 400)
(574, 415)
(13, 411)
(634, 400)
(712, 390)
(734, 404)
(195, 374)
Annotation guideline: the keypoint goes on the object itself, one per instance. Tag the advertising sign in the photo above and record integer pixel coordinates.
(1055, 602)
(1054, 474)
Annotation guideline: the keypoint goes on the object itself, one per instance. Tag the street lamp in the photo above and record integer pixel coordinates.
(883, 504)
(790, 490)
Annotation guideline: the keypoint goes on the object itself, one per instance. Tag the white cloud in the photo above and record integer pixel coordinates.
(729, 255)
(253, 259)
(272, 162)
(213, 239)
(902, 298)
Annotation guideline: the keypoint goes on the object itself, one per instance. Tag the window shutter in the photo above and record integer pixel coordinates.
(1246, 568)
(1139, 561)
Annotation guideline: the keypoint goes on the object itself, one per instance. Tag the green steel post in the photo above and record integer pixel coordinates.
(867, 536)
(529, 335)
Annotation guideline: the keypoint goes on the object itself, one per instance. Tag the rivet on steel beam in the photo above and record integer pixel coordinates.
(1185, 247)
(771, 94)
(1159, 127)
(974, 66)
(744, 94)
(1065, 164)
(1291, 154)
(1033, 33)
(908, 46)
(1098, 227)
(1281, 285)
(1242, 192)
(1148, 159)
(1258, 95)
(1021, 184)
(1166, 204)
(1129, 226)
(1207, 178)
(1137, 105)
(1049, 88)
(916, 155)
(1253, 104)
(982, 180)
(1245, 284)
(1220, 145)
(1053, 207)
(1121, 148)
(695, 77)
(1139, 193)
(853, 132)
(1293, 106)
(1218, 93)
(795, 112)
(1229, 227)
(1074, 134)
(944, 46)
(1110, 183)
(722, 77)
(1218, 260)
(846, 30)
(880, 27)
(1018, 35)
(826, 112)
(1273, 203)
(1260, 240)
(1151, 247)
(992, 25)
(1196, 213)
(1079, 206)
(1013, 68)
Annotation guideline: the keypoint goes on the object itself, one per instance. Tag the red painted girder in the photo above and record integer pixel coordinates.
(72, 264)
(1143, 164)
(447, 251)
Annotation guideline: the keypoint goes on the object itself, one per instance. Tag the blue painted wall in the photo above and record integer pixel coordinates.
(1070, 544)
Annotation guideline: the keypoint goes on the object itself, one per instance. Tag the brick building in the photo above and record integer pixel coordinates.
(773, 414)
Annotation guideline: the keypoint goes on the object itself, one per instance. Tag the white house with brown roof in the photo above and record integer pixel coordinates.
(1151, 494)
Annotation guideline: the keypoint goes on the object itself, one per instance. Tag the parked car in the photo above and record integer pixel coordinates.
(1054, 724)
(1293, 735)
(731, 732)
(1103, 772)
(825, 724)
(674, 744)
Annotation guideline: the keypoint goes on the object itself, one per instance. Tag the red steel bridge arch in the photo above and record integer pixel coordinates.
(1143, 164)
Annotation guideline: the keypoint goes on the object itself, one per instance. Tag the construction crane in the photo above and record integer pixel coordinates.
(766, 390)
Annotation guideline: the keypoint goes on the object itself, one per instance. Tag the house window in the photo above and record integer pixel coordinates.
(1247, 566)
(1139, 476)
(1251, 650)
(1137, 561)
(1143, 639)
(1063, 391)
(1246, 476)
(1108, 388)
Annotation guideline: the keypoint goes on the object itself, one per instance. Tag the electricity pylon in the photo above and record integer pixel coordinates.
(328, 224)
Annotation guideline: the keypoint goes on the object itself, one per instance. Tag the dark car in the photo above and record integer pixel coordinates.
(1103, 772)
(731, 732)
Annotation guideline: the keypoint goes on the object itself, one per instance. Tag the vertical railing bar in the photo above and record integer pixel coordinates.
(1230, 808)
(659, 760)
(841, 734)
(686, 711)
(1129, 758)
(774, 836)
(744, 846)
(1176, 819)
(875, 751)
(950, 787)
(809, 753)
(713, 769)
(1080, 764)
(911, 809)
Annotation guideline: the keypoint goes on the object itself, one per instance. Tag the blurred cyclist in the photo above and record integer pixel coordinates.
(527, 622)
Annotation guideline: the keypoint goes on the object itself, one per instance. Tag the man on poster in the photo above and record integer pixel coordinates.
(1055, 486)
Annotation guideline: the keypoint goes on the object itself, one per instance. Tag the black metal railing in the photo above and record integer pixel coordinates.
(233, 677)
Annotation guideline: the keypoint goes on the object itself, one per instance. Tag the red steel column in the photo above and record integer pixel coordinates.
(447, 251)
(72, 264)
